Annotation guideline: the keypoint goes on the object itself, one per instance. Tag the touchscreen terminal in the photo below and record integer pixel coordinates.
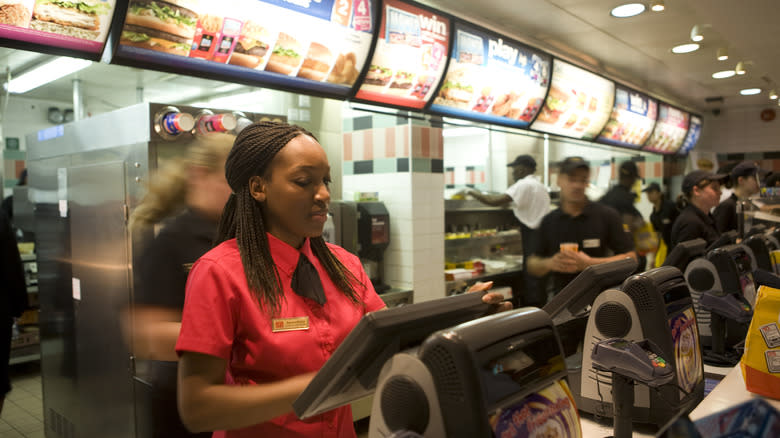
(684, 252)
(352, 371)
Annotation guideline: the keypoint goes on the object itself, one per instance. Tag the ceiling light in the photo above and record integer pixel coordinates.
(685, 48)
(47, 72)
(723, 54)
(696, 34)
(740, 69)
(773, 94)
(723, 74)
(657, 6)
(627, 10)
(749, 91)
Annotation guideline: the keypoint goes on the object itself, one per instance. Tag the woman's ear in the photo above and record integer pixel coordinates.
(257, 188)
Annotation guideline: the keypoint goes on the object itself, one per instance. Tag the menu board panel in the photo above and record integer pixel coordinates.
(78, 25)
(409, 57)
(632, 119)
(578, 104)
(694, 133)
(492, 80)
(318, 46)
(669, 132)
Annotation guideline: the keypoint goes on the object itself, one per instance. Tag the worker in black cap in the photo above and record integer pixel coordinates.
(744, 184)
(700, 194)
(530, 201)
(579, 234)
(621, 198)
(664, 213)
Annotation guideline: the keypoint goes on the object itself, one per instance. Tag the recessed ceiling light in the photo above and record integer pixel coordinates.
(723, 54)
(696, 33)
(773, 94)
(657, 6)
(685, 48)
(749, 91)
(723, 74)
(627, 10)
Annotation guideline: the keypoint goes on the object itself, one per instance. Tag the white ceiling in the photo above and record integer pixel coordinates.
(634, 50)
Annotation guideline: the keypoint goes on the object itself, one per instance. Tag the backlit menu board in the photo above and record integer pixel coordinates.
(632, 119)
(493, 80)
(578, 104)
(80, 26)
(694, 133)
(669, 132)
(315, 46)
(409, 58)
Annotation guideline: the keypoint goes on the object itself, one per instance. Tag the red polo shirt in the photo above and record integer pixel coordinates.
(222, 318)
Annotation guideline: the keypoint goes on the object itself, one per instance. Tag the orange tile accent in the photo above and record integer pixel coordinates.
(347, 147)
(425, 142)
(19, 168)
(405, 133)
(481, 177)
(390, 142)
(368, 144)
(658, 169)
(642, 170)
(438, 142)
(416, 142)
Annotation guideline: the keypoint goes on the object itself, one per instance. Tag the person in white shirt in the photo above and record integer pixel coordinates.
(530, 201)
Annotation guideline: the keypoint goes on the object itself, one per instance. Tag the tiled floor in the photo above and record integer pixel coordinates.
(22, 414)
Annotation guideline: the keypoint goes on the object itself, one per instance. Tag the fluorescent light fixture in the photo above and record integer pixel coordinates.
(723, 54)
(47, 72)
(627, 10)
(740, 68)
(657, 6)
(696, 34)
(723, 74)
(773, 94)
(685, 48)
(749, 91)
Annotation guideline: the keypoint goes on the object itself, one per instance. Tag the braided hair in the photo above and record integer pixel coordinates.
(243, 218)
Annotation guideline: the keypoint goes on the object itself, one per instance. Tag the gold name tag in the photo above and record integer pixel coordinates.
(289, 324)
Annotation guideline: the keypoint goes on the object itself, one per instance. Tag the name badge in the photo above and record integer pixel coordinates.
(289, 324)
(591, 243)
(666, 221)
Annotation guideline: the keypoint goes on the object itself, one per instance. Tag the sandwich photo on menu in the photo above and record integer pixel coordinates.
(252, 45)
(78, 19)
(286, 56)
(556, 104)
(317, 63)
(165, 26)
(15, 12)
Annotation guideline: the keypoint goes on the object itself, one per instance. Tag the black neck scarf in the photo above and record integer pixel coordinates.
(306, 282)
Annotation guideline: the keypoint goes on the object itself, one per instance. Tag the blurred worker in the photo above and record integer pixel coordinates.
(663, 217)
(530, 202)
(744, 185)
(621, 198)
(700, 193)
(579, 234)
(191, 192)
(8, 203)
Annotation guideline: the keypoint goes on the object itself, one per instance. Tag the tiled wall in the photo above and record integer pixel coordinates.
(403, 163)
(769, 161)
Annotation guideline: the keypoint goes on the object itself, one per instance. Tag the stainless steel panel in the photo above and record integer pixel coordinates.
(101, 289)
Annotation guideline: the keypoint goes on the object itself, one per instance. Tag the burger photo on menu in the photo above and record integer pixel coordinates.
(252, 45)
(457, 90)
(16, 12)
(401, 82)
(165, 26)
(317, 63)
(286, 56)
(554, 106)
(378, 75)
(78, 19)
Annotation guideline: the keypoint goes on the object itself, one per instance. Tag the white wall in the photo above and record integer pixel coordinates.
(741, 130)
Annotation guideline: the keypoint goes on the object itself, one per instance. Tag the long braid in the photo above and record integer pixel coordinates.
(242, 218)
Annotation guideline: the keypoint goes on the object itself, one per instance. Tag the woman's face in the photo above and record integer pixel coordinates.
(709, 195)
(294, 193)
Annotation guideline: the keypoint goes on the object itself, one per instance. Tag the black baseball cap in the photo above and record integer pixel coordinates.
(570, 164)
(652, 186)
(745, 168)
(524, 160)
(693, 179)
(628, 168)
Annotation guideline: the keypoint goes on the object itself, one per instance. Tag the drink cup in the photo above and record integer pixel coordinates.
(570, 246)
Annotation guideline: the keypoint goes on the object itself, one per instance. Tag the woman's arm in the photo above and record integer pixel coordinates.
(206, 403)
(152, 332)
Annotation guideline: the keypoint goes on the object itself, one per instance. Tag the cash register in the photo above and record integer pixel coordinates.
(653, 306)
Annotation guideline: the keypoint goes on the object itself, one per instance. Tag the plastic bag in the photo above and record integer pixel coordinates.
(761, 361)
(645, 239)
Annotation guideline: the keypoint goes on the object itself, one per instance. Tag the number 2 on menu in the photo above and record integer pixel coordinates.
(342, 12)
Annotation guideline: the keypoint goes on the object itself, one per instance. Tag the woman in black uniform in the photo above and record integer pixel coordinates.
(188, 193)
(700, 194)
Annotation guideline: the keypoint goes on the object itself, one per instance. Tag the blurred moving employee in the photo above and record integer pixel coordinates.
(744, 184)
(663, 217)
(621, 198)
(579, 234)
(530, 202)
(700, 193)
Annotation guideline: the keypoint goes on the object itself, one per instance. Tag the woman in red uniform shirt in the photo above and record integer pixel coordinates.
(268, 306)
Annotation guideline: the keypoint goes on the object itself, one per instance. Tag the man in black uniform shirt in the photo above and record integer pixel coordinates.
(664, 212)
(700, 193)
(745, 184)
(597, 230)
(621, 198)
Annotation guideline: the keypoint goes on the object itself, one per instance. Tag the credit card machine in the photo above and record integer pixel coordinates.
(630, 362)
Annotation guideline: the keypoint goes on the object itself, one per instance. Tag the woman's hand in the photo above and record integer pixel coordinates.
(495, 299)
